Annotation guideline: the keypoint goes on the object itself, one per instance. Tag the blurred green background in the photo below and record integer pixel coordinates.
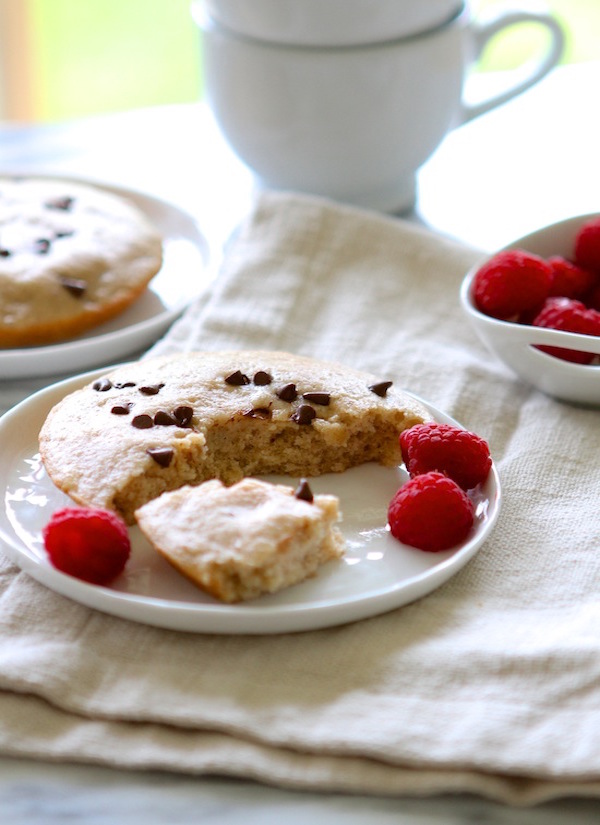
(581, 21)
(94, 56)
(107, 55)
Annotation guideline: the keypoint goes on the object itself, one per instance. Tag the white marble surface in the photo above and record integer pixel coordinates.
(33, 794)
(491, 181)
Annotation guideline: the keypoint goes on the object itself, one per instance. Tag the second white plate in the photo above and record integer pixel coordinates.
(377, 573)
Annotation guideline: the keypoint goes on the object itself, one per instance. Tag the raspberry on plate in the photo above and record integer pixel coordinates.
(587, 245)
(570, 316)
(88, 543)
(459, 454)
(430, 512)
(511, 283)
(568, 279)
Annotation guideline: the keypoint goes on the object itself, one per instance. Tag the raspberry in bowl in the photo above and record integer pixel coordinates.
(535, 304)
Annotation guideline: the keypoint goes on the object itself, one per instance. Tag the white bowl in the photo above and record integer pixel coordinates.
(328, 22)
(515, 343)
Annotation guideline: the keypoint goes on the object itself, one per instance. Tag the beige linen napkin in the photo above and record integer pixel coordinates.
(491, 684)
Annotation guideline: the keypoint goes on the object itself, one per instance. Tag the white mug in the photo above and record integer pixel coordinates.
(351, 123)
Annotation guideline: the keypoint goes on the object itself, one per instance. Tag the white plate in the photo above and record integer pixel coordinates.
(377, 574)
(182, 277)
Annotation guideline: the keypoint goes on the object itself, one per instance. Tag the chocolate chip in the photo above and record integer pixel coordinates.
(142, 422)
(163, 419)
(102, 385)
(121, 409)
(258, 412)
(42, 246)
(124, 384)
(381, 388)
(63, 204)
(303, 491)
(162, 455)
(287, 393)
(5, 253)
(183, 415)
(321, 398)
(237, 379)
(74, 285)
(261, 378)
(304, 414)
(151, 389)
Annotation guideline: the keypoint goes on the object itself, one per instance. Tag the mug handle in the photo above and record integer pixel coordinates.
(484, 31)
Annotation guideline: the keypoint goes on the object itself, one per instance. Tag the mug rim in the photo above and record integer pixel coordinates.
(207, 23)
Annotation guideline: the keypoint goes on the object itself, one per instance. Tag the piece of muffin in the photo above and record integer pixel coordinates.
(160, 423)
(242, 541)
(71, 257)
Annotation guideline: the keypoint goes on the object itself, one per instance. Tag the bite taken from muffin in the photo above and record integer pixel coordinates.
(245, 540)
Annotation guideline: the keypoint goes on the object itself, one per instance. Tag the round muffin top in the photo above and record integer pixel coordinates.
(68, 250)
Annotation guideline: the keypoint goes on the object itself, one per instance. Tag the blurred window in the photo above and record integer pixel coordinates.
(61, 59)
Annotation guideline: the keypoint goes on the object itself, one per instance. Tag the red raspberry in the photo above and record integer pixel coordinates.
(87, 543)
(568, 279)
(569, 316)
(430, 512)
(511, 283)
(459, 454)
(587, 245)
